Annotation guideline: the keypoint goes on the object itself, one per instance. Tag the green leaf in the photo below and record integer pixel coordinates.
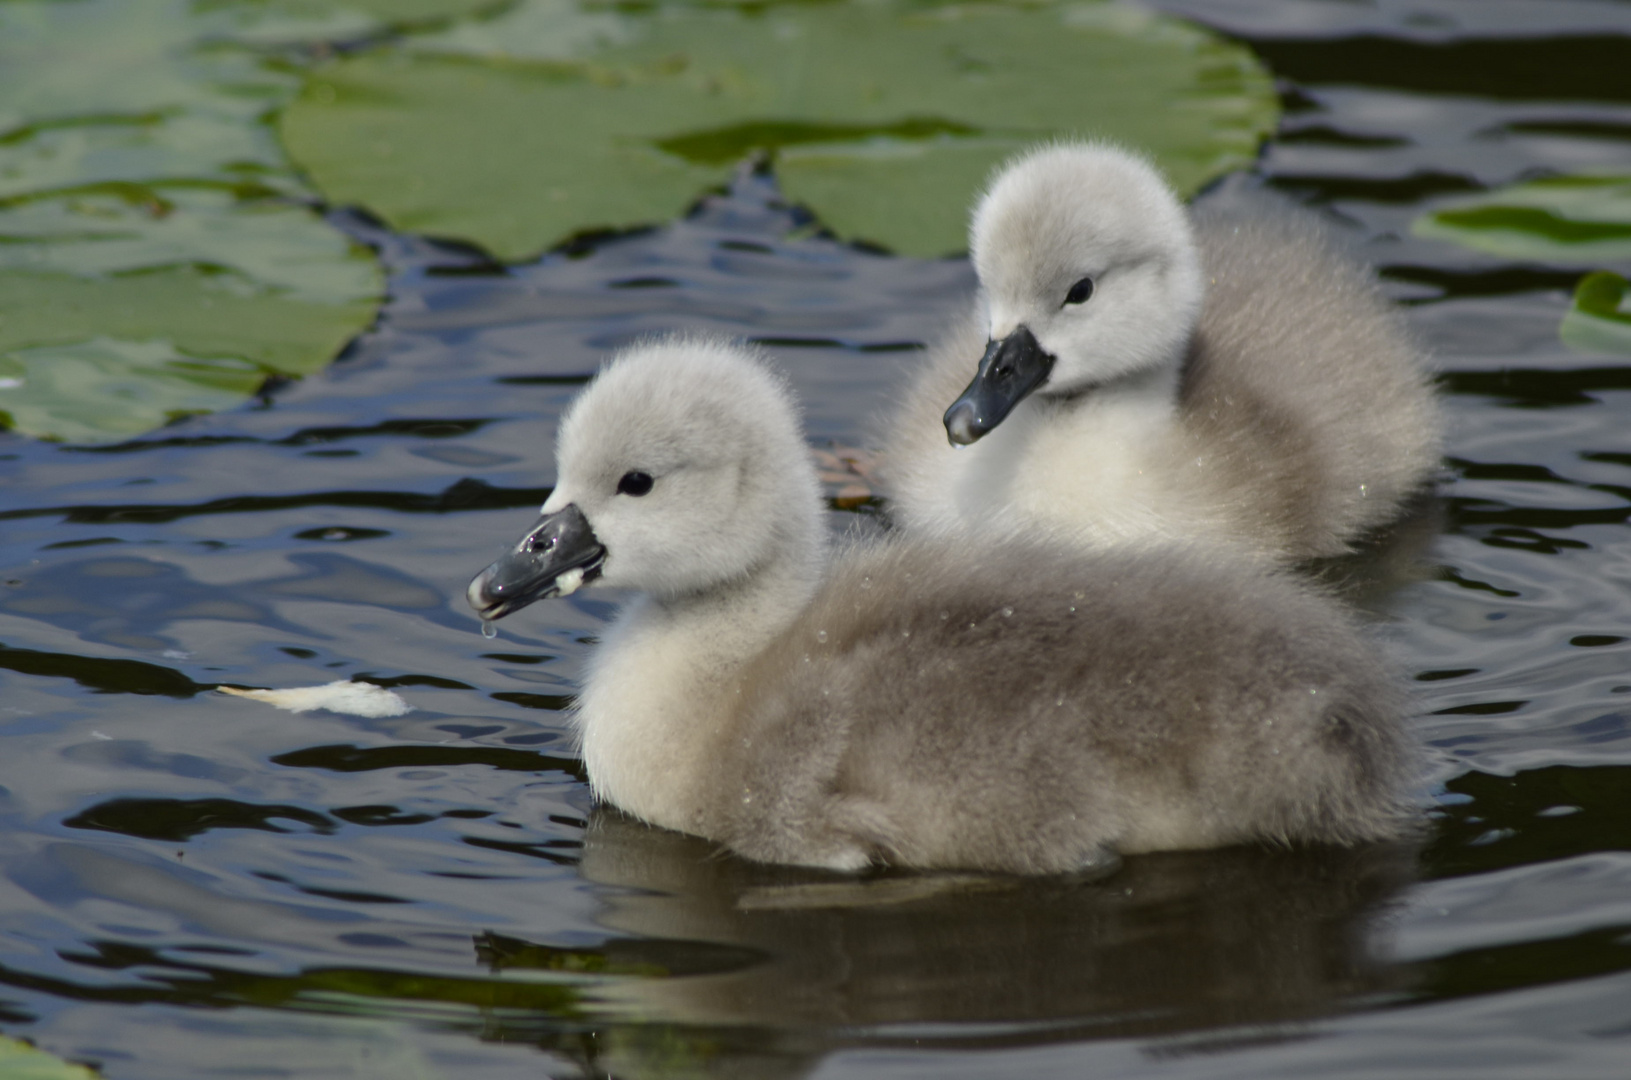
(104, 387)
(1599, 320)
(274, 22)
(136, 67)
(1567, 219)
(20, 1061)
(451, 148)
(266, 247)
(532, 30)
(153, 262)
(885, 117)
(89, 282)
(201, 312)
(86, 359)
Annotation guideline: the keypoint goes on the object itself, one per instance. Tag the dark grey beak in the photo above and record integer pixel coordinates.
(560, 543)
(1010, 369)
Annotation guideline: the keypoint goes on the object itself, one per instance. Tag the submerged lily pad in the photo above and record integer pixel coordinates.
(885, 117)
(1568, 219)
(154, 259)
(1599, 320)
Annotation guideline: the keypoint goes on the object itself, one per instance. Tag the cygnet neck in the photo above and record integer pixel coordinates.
(657, 708)
(1152, 389)
(763, 599)
(1094, 455)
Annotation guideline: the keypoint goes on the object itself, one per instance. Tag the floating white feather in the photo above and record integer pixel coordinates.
(351, 698)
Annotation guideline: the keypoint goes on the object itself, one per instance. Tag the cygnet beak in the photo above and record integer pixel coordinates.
(1010, 369)
(558, 554)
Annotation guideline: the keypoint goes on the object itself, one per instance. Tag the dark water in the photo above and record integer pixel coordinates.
(197, 885)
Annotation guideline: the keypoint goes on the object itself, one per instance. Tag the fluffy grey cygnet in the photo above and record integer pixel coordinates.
(1230, 374)
(925, 702)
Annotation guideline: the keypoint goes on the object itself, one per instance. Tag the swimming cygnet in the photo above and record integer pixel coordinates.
(1230, 374)
(924, 702)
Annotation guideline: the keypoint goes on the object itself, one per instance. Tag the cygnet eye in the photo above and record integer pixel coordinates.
(1080, 291)
(635, 483)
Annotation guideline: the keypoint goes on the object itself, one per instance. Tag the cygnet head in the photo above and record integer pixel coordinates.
(1088, 274)
(681, 467)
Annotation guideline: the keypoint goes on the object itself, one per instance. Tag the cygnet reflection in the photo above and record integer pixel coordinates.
(777, 966)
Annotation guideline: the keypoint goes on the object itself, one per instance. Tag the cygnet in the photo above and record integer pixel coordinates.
(1231, 374)
(925, 702)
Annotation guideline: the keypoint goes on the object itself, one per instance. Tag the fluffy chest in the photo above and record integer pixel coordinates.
(653, 710)
(1103, 472)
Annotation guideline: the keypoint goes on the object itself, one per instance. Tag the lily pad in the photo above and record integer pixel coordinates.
(885, 117)
(1565, 219)
(187, 336)
(262, 247)
(104, 387)
(1599, 320)
(281, 21)
(531, 30)
(130, 90)
(20, 1061)
(456, 149)
(201, 311)
(154, 258)
(117, 317)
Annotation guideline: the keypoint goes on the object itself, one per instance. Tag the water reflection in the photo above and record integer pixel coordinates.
(125, 601)
(736, 969)
(1170, 943)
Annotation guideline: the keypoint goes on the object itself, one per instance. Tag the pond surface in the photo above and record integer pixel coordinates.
(197, 885)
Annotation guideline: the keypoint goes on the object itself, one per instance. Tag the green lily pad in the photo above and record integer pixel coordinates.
(263, 247)
(1568, 219)
(885, 117)
(104, 387)
(235, 290)
(20, 1061)
(132, 90)
(154, 261)
(532, 30)
(246, 296)
(275, 22)
(201, 311)
(1599, 320)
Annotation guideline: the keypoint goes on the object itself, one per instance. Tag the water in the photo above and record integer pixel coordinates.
(199, 885)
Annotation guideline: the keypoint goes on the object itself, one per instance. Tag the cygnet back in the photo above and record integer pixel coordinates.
(1030, 709)
(1302, 385)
